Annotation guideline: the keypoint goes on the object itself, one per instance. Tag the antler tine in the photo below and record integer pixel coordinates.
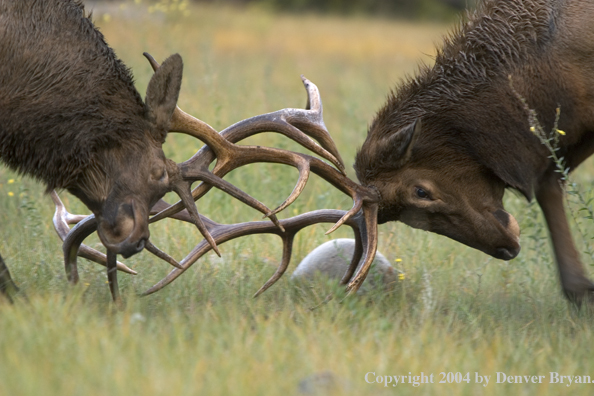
(62, 217)
(182, 189)
(355, 260)
(161, 254)
(284, 264)
(61, 221)
(296, 124)
(73, 241)
(112, 276)
(304, 170)
(357, 205)
(370, 247)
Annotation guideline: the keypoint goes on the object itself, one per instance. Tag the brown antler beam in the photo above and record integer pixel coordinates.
(225, 232)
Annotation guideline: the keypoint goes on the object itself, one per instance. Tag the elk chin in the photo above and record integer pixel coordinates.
(125, 230)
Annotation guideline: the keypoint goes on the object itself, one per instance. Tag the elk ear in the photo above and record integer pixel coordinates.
(162, 94)
(398, 146)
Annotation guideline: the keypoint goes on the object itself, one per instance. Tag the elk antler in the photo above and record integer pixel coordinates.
(366, 243)
(61, 221)
(297, 124)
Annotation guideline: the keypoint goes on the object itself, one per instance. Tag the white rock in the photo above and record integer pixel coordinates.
(332, 259)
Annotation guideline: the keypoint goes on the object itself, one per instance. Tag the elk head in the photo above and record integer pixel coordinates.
(125, 179)
(436, 186)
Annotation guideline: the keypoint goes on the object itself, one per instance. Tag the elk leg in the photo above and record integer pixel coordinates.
(550, 196)
(7, 286)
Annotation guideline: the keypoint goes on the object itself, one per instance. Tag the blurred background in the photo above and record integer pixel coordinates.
(415, 9)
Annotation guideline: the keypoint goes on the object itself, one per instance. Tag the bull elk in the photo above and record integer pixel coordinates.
(71, 117)
(450, 140)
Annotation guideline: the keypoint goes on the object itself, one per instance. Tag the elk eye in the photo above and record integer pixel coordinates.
(163, 175)
(159, 174)
(422, 193)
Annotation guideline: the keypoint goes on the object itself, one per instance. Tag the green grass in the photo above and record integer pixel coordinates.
(457, 310)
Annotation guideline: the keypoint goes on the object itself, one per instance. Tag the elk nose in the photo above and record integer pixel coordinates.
(141, 244)
(505, 253)
(127, 249)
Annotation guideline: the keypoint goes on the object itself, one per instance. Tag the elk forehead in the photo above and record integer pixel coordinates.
(132, 167)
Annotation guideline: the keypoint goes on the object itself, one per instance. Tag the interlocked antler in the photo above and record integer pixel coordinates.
(366, 243)
(297, 124)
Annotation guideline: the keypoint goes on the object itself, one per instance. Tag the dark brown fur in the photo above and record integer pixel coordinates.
(472, 139)
(71, 117)
(60, 105)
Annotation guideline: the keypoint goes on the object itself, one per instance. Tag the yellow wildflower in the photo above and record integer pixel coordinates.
(398, 260)
(401, 276)
(10, 181)
(10, 194)
(560, 132)
(532, 129)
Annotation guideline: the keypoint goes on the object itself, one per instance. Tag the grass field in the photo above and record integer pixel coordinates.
(457, 310)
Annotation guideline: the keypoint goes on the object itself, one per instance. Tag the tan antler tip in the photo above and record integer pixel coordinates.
(152, 61)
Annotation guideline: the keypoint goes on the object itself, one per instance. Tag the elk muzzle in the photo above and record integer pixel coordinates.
(123, 228)
(510, 229)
